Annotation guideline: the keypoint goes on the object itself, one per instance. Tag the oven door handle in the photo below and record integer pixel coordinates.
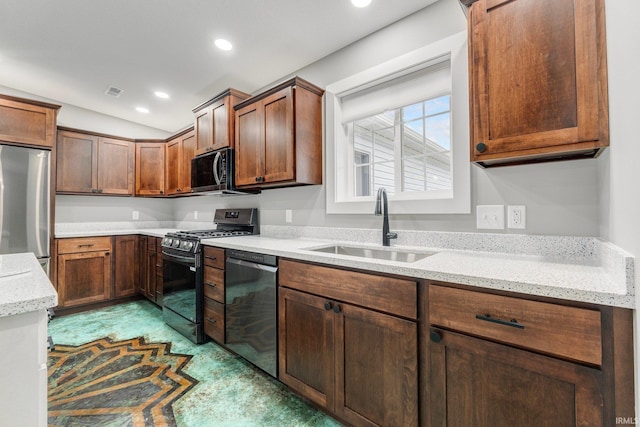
(253, 265)
(183, 259)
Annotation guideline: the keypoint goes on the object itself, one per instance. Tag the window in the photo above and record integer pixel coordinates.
(402, 125)
(410, 147)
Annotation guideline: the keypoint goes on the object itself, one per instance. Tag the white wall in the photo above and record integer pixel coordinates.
(619, 172)
(561, 198)
(111, 209)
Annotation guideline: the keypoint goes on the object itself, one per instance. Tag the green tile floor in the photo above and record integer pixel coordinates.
(231, 392)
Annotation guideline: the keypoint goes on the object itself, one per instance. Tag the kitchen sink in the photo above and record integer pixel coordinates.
(389, 254)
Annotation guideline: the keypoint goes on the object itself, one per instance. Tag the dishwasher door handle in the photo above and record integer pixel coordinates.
(254, 265)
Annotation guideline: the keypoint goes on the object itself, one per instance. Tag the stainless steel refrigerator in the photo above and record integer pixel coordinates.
(25, 201)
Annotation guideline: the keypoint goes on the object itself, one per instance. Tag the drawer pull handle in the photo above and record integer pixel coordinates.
(212, 258)
(487, 317)
(210, 320)
(213, 285)
(88, 245)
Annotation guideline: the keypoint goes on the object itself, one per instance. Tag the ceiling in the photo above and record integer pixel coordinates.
(71, 51)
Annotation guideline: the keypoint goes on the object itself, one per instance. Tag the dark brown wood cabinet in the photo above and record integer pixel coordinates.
(214, 293)
(150, 168)
(278, 137)
(538, 80)
(152, 273)
(83, 270)
(93, 164)
(179, 152)
(358, 362)
(498, 360)
(126, 266)
(27, 122)
(214, 121)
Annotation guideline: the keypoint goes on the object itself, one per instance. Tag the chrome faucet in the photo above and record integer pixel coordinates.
(380, 200)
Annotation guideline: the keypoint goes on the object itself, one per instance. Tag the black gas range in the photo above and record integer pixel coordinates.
(183, 285)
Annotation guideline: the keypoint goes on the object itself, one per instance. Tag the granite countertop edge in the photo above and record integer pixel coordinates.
(27, 288)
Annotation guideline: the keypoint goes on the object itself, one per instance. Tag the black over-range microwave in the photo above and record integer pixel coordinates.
(213, 172)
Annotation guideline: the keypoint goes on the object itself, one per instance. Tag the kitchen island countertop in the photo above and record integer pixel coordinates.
(24, 285)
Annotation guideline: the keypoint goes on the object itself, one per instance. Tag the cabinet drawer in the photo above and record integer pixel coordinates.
(386, 294)
(214, 257)
(84, 244)
(214, 320)
(568, 332)
(214, 284)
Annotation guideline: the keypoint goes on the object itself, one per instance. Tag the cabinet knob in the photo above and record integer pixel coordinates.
(94, 190)
(161, 192)
(435, 336)
(336, 308)
(481, 147)
(106, 254)
(327, 306)
(100, 190)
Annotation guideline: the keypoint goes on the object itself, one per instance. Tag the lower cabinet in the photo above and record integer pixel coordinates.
(84, 271)
(126, 267)
(214, 293)
(358, 363)
(152, 274)
(474, 382)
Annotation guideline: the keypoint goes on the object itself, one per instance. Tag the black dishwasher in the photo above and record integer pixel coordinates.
(251, 308)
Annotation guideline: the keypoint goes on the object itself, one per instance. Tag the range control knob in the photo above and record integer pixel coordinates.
(175, 243)
(186, 245)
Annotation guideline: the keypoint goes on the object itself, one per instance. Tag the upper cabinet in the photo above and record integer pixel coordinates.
(27, 122)
(213, 121)
(538, 80)
(150, 168)
(94, 164)
(278, 138)
(179, 152)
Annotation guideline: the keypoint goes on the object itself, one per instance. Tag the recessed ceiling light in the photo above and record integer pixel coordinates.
(223, 44)
(162, 95)
(361, 3)
(142, 110)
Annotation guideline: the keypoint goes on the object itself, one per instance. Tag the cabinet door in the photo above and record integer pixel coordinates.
(149, 169)
(27, 122)
(203, 127)
(172, 167)
(77, 163)
(142, 263)
(249, 148)
(306, 346)
(188, 151)
(279, 142)
(220, 122)
(376, 368)
(150, 283)
(538, 77)
(126, 268)
(84, 278)
(474, 382)
(115, 166)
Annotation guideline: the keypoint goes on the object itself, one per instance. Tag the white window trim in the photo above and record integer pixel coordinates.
(454, 47)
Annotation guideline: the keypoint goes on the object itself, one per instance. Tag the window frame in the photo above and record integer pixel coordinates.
(340, 160)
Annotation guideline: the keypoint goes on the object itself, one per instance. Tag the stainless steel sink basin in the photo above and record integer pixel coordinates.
(374, 253)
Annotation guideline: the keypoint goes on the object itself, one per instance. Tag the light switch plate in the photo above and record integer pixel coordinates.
(490, 217)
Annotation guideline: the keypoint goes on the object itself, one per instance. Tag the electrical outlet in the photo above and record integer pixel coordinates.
(288, 215)
(516, 216)
(490, 217)
(136, 215)
(195, 214)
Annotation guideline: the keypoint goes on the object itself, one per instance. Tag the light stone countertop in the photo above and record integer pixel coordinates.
(570, 268)
(24, 286)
